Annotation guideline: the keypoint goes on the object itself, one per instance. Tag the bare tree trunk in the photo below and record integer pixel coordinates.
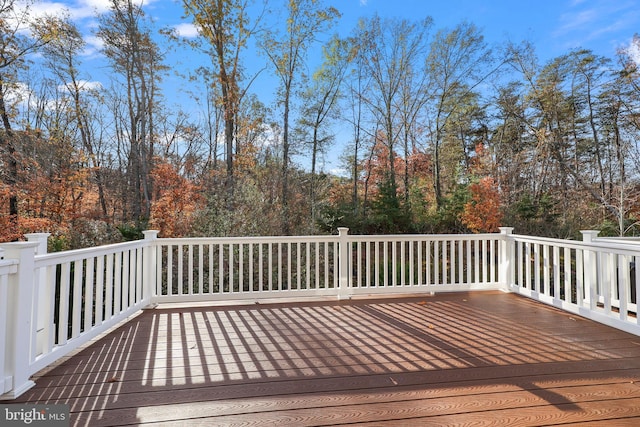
(285, 163)
(7, 139)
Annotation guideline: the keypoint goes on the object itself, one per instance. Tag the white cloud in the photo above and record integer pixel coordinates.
(573, 21)
(634, 52)
(49, 8)
(363, 2)
(99, 5)
(186, 30)
(93, 45)
(18, 93)
(79, 9)
(21, 96)
(84, 85)
(87, 85)
(76, 11)
(342, 172)
(592, 22)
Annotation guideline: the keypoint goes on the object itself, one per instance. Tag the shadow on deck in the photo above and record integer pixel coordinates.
(483, 357)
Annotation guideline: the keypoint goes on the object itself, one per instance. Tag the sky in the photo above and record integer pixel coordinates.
(554, 27)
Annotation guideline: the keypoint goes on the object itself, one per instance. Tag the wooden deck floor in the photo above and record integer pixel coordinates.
(484, 358)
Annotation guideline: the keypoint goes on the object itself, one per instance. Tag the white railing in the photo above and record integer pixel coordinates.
(50, 304)
(205, 269)
(595, 278)
(8, 268)
(432, 263)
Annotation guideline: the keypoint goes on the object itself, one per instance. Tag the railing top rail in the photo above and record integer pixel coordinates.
(77, 254)
(595, 245)
(623, 238)
(394, 237)
(325, 238)
(250, 239)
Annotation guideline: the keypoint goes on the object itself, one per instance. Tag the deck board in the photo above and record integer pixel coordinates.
(488, 358)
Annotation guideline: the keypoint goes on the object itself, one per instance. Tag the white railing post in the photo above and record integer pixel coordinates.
(149, 260)
(507, 253)
(590, 269)
(45, 293)
(41, 239)
(343, 263)
(17, 346)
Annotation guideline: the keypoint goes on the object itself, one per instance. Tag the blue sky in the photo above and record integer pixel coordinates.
(553, 26)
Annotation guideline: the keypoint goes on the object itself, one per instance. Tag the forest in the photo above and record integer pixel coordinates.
(436, 130)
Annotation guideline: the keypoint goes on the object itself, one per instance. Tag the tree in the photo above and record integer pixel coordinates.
(306, 19)
(482, 213)
(176, 202)
(620, 123)
(391, 52)
(356, 87)
(458, 61)
(225, 24)
(588, 72)
(561, 99)
(137, 58)
(510, 143)
(320, 99)
(214, 121)
(15, 46)
(62, 54)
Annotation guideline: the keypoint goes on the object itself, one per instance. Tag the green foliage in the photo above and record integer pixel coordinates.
(57, 243)
(337, 215)
(542, 209)
(539, 216)
(87, 232)
(610, 228)
(132, 231)
(449, 214)
(388, 216)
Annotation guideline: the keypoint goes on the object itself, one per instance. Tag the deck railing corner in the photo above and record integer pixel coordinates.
(19, 316)
(149, 261)
(506, 274)
(343, 249)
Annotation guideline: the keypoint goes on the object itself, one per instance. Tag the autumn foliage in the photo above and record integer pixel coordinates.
(414, 141)
(177, 201)
(483, 213)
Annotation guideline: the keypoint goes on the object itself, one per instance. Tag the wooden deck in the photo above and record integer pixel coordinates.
(483, 358)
